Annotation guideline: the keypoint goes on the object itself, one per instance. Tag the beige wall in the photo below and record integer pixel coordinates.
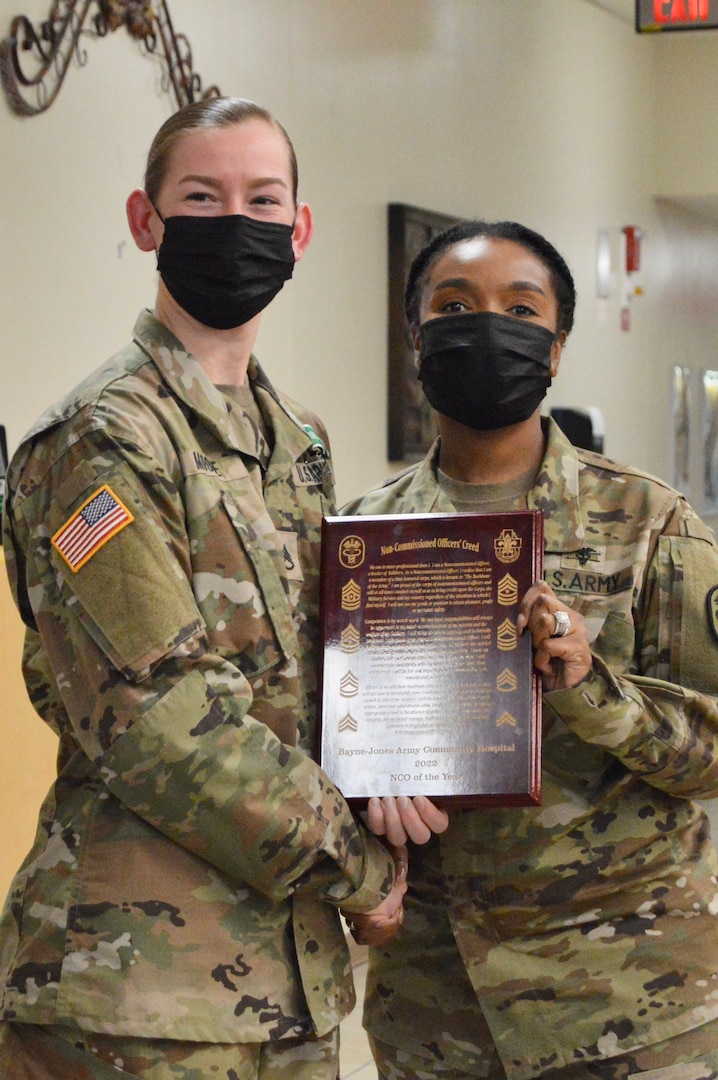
(550, 111)
(684, 104)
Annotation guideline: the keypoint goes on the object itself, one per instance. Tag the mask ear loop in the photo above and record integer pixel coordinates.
(153, 204)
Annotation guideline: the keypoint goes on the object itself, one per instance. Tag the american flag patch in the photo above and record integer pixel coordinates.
(98, 519)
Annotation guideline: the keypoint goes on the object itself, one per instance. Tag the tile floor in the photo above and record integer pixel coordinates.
(354, 1054)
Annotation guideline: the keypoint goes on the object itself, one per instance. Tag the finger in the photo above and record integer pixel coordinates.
(563, 662)
(548, 618)
(415, 828)
(400, 856)
(382, 933)
(537, 595)
(374, 817)
(395, 831)
(433, 817)
(375, 929)
(375, 936)
(542, 622)
(360, 930)
(393, 899)
(562, 623)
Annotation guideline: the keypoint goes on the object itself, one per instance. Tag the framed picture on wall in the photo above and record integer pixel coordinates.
(710, 442)
(412, 425)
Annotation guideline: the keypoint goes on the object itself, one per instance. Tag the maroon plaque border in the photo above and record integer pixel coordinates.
(425, 686)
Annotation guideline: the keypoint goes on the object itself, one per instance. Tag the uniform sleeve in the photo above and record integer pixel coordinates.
(165, 722)
(661, 722)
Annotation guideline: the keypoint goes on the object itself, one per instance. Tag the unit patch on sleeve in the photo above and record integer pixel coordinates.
(99, 518)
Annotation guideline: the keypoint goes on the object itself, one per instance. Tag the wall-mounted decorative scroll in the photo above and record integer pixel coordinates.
(34, 59)
(412, 425)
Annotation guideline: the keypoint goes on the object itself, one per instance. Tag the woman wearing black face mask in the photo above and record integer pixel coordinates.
(579, 938)
(179, 912)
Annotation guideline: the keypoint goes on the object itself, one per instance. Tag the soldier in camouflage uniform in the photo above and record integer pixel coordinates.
(578, 938)
(178, 915)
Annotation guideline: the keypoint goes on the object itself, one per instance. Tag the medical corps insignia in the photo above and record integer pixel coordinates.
(713, 609)
(99, 518)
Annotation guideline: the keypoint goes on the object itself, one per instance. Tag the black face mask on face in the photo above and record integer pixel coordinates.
(485, 370)
(224, 270)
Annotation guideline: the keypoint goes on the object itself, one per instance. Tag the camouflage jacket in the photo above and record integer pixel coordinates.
(191, 857)
(588, 925)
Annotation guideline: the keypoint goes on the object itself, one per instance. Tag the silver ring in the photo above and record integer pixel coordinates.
(563, 624)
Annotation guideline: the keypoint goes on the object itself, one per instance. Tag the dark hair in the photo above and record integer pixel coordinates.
(559, 273)
(207, 113)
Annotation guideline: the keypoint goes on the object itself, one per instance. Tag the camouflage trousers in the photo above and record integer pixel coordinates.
(692, 1055)
(53, 1053)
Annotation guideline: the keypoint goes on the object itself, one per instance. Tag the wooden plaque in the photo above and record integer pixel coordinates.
(426, 687)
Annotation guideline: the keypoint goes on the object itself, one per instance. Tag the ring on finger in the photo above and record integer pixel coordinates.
(563, 624)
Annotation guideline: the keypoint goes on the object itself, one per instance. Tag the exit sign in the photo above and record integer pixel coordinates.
(652, 15)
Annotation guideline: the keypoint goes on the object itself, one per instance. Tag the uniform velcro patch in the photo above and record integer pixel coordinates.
(99, 518)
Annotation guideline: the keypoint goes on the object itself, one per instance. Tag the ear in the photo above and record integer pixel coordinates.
(415, 334)
(556, 352)
(303, 229)
(145, 225)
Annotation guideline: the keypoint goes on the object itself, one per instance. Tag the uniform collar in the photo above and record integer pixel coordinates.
(555, 491)
(189, 382)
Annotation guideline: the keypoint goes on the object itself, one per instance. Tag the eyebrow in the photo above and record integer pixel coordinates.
(463, 283)
(195, 178)
(211, 181)
(267, 181)
(530, 286)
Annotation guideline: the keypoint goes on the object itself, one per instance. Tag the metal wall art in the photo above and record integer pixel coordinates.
(34, 59)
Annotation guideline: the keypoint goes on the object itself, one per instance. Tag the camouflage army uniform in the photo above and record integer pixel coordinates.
(189, 863)
(587, 926)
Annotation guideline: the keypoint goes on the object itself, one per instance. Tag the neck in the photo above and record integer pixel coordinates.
(490, 457)
(223, 354)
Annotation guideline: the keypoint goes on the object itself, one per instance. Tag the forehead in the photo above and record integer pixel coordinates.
(253, 147)
(485, 260)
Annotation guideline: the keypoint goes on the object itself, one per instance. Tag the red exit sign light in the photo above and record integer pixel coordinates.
(653, 15)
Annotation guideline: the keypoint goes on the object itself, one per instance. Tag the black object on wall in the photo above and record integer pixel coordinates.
(584, 427)
(3, 466)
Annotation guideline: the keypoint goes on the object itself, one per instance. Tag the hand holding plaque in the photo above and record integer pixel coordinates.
(427, 688)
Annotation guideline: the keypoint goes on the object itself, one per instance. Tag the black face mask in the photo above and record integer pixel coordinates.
(485, 370)
(224, 270)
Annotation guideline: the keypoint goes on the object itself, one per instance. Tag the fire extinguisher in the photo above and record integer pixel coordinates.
(633, 248)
